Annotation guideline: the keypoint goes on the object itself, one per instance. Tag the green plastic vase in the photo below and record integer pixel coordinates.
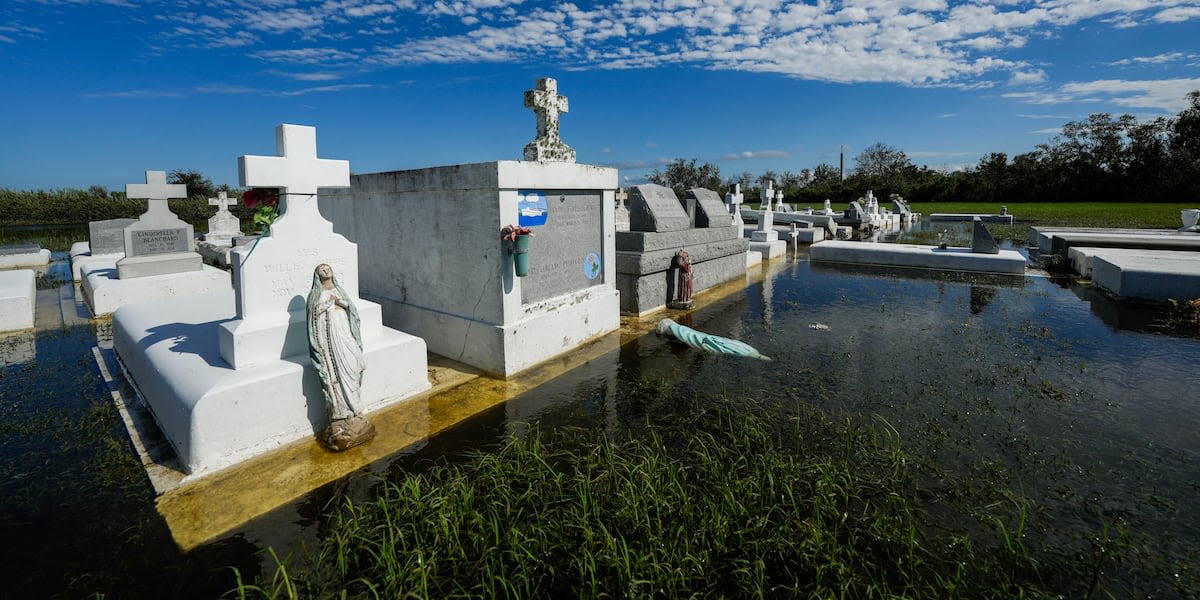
(521, 255)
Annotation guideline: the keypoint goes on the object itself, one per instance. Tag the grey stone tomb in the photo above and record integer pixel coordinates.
(159, 242)
(646, 274)
(710, 210)
(656, 208)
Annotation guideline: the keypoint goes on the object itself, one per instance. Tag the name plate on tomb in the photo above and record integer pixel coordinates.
(566, 253)
(159, 241)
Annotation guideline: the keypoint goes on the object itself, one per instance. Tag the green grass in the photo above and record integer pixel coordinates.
(737, 504)
(1136, 215)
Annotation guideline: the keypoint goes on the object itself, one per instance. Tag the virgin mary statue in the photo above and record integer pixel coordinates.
(335, 346)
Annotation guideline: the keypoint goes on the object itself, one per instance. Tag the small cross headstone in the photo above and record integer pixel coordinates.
(621, 212)
(768, 195)
(158, 230)
(223, 225)
(734, 199)
(547, 104)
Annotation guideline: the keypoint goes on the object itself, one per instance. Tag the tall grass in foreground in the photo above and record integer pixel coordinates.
(744, 506)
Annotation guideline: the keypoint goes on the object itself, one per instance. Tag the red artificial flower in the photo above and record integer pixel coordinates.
(255, 197)
(510, 232)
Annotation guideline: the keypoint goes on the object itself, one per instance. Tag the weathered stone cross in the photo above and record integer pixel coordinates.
(547, 104)
(296, 170)
(157, 191)
(222, 202)
(622, 196)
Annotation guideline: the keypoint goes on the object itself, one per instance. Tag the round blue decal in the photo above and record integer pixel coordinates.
(591, 265)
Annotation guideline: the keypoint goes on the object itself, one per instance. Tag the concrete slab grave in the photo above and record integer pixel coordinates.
(18, 291)
(23, 255)
(227, 374)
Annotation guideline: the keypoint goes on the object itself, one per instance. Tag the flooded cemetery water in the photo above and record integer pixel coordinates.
(1064, 422)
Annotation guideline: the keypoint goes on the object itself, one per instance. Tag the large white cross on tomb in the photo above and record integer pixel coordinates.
(547, 104)
(157, 191)
(296, 170)
(273, 275)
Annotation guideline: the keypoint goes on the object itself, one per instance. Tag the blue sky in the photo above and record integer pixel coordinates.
(97, 92)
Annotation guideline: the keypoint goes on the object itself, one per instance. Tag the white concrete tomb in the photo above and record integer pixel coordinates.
(228, 375)
(17, 295)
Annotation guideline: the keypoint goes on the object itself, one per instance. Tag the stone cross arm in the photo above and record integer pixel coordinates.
(155, 188)
(296, 169)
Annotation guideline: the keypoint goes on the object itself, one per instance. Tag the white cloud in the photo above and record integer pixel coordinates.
(757, 154)
(1157, 59)
(1027, 77)
(1178, 14)
(1169, 95)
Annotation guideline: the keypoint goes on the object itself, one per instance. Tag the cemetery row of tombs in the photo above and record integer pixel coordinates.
(240, 344)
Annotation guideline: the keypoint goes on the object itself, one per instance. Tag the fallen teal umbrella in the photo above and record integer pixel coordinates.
(706, 341)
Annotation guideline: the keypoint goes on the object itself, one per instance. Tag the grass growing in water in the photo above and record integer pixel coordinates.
(738, 503)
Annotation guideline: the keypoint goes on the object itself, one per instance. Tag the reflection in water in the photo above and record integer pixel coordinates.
(980, 298)
(1020, 390)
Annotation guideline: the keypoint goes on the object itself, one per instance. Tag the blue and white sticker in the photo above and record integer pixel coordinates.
(591, 265)
(532, 209)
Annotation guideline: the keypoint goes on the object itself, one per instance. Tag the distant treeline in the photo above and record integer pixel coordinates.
(76, 206)
(1101, 159)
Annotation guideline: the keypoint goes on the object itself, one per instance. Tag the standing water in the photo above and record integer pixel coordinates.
(1050, 413)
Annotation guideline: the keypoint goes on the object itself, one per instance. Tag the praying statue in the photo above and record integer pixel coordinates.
(335, 346)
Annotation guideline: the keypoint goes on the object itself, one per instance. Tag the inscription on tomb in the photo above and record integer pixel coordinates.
(159, 241)
(565, 252)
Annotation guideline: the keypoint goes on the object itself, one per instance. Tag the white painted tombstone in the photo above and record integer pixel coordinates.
(828, 208)
(228, 375)
(765, 239)
(272, 276)
(223, 226)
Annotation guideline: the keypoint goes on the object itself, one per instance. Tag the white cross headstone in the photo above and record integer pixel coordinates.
(768, 195)
(157, 191)
(159, 242)
(622, 196)
(222, 201)
(734, 200)
(547, 104)
(223, 225)
(273, 275)
(296, 170)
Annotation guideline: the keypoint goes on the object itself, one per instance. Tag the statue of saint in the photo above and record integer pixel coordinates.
(683, 281)
(335, 346)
